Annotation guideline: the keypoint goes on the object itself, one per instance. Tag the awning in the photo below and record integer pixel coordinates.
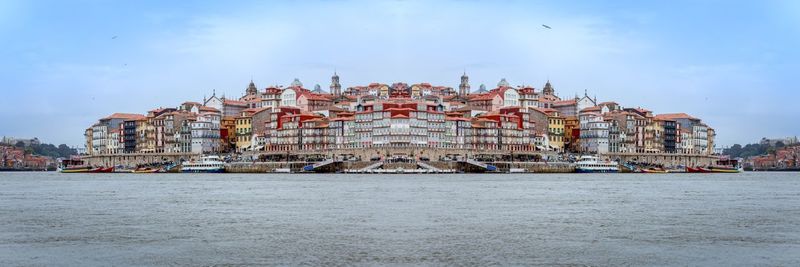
(540, 148)
(258, 148)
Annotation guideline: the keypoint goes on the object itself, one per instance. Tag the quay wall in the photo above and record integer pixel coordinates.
(666, 159)
(540, 167)
(135, 159)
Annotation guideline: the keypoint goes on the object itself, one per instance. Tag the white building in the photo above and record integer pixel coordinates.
(594, 133)
(99, 138)
(205, 133)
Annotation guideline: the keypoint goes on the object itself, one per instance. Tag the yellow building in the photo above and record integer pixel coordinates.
(556, 130)
(244, 130)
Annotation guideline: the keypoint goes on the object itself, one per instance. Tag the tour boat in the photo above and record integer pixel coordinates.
(722, 166)
(207, 164)
(590, 164)
(73, 166)
(726, 166)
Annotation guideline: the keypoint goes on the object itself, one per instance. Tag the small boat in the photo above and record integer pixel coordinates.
(102, 170)
(517, 170)
(146, 170)
(697, 170)
(654, 170)
(591, 164)
(282, 170)
(207, 164)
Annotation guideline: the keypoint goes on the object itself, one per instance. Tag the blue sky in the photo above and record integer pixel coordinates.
(731, 63)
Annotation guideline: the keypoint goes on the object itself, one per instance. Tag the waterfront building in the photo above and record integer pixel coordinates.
(183, 139)
(556, 133)
(594, 133)
(314, 134)
(244, 130)
(88, 137)
(205, 132)
(671, 136)
(227, 133)
(615, 137)
(259, 120)
(485, 134)
(173, 123)
(694, 138)
(572, 133)
(101, 131)
(114, 141)
(129, 136)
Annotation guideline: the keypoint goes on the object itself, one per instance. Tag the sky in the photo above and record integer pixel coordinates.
(65, 64)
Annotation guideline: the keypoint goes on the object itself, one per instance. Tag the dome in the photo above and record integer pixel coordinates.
(503, 83)
(297, 83)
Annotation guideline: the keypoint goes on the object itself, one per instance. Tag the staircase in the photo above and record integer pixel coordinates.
(372, 166)
(482, 165)
(427, 166)
(314, 166)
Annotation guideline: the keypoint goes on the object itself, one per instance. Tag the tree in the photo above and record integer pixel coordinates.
(779, 144)
(20, 144)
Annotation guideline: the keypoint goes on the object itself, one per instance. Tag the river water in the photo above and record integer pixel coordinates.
(333, 219)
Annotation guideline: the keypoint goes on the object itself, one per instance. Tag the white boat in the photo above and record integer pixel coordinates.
(205, 164)
(590, 164)
(282, 170)
(517, 170)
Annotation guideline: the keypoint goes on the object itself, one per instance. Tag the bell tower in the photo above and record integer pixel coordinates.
(251, 89)
(548, 89)
(463, 88)
(336, 88)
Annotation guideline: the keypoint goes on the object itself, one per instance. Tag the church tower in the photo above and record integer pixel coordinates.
(251, 89)
(548, 89)
(463, 88)
(336, 88)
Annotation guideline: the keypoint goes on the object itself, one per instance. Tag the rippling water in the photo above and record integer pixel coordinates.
(228, 219)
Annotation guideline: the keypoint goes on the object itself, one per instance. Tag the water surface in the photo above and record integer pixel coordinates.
(279, 219)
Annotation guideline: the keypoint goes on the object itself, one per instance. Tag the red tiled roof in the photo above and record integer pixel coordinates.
(565, 102)
(674, 116)
(125, 116)
(543, 110)
(210, 109)
(590, 109)
(234, 102)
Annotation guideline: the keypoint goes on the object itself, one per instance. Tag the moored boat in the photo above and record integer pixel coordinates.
(654, 170)
(73, 166)
(591, 164)
(102, 170)
(207, 164)
(722, 166)
(697, 170)
(146, 170)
